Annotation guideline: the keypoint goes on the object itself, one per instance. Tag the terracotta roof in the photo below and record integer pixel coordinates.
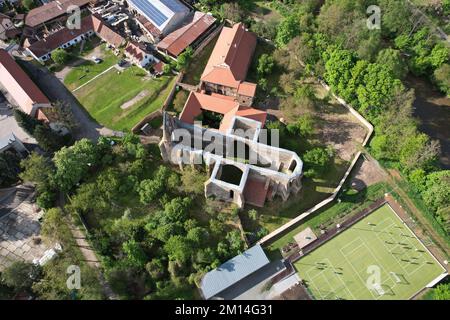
(64, 35)
(147, 25)
(180, 39)
(52, 10)
(19, 85)
(55, 40)
(106, 33)
(247, 89)
(255, 192)
(159, 67)
(221, 104)
(231, 57)
(135, 50)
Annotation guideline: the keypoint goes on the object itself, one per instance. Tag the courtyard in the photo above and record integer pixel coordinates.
(120, 99)
(19, 227)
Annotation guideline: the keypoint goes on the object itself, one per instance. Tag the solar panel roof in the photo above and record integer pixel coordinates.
(151, 11)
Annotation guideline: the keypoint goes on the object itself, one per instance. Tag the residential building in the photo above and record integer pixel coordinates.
(245, 276)
(7, 28)
(54, 10)
(12, 142)
(194, 30)
(139, 55)
(227, 67)
(21, 90)
(65, 38)
(160, 16)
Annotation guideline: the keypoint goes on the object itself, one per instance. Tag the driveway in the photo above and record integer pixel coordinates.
(8, 124)
(55, 90)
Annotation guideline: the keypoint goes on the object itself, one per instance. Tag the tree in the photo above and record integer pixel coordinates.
(394, 61)
(193, 180)
(37, 169)
(73, 163)
(9, 168)
(253, 214)
(135, 254)
(232, 11)
(437, 190)
(317, 159)
(47, 139)
(235, 242)
(60, 56)
(418, 151)
(28, 4)
(62, 113)
(178, 249)
(155, 269)
(395, 17)
(287, 30)
(20, 276)
(439, 55)
(442, 78)
(53, 226)
(265, 64)
(184, 59)
(442, 291)
(304, 126)
(198, 236)
(25, 121)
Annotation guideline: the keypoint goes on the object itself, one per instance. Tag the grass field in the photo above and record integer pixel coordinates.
(346, 266)
(104, 97)
(88, 69)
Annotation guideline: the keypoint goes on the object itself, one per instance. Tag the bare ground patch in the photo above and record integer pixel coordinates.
(141, 95)
(366, 173)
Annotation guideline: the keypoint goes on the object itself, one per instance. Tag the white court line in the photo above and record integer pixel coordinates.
(100, 74)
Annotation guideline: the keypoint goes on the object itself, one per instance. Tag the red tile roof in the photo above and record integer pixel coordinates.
(255, 192)
(55, 40)
(147, 25)
(221, 104)
(247, 89)
(52, 10)
(19, 85)
(135, 50)
(231, 57)
(159, 67)
(64, 35)
(106, 33)
(175, 42)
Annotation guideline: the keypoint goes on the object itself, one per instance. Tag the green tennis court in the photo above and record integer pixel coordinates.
(376, 258)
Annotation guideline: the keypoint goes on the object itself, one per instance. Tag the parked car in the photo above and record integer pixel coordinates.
(122, 63)
(97, 60)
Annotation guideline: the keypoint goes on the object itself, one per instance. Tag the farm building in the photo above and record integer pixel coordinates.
(159, 17)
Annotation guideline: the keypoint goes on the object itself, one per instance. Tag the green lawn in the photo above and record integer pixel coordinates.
(198, 64)
(276, 213)
(346, 267)
(80, 74)
(104, 96)
(327, 217)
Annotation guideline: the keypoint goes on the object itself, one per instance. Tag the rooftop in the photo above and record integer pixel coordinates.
(233, 271)
(159, 12)
(231, 57)
(135, 50)
(64, 35)
(19, 85)
(177, 41)
(51, 10)
(198, 101)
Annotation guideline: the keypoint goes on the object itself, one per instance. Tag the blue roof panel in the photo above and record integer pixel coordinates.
(151, 11)
(233, 271)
